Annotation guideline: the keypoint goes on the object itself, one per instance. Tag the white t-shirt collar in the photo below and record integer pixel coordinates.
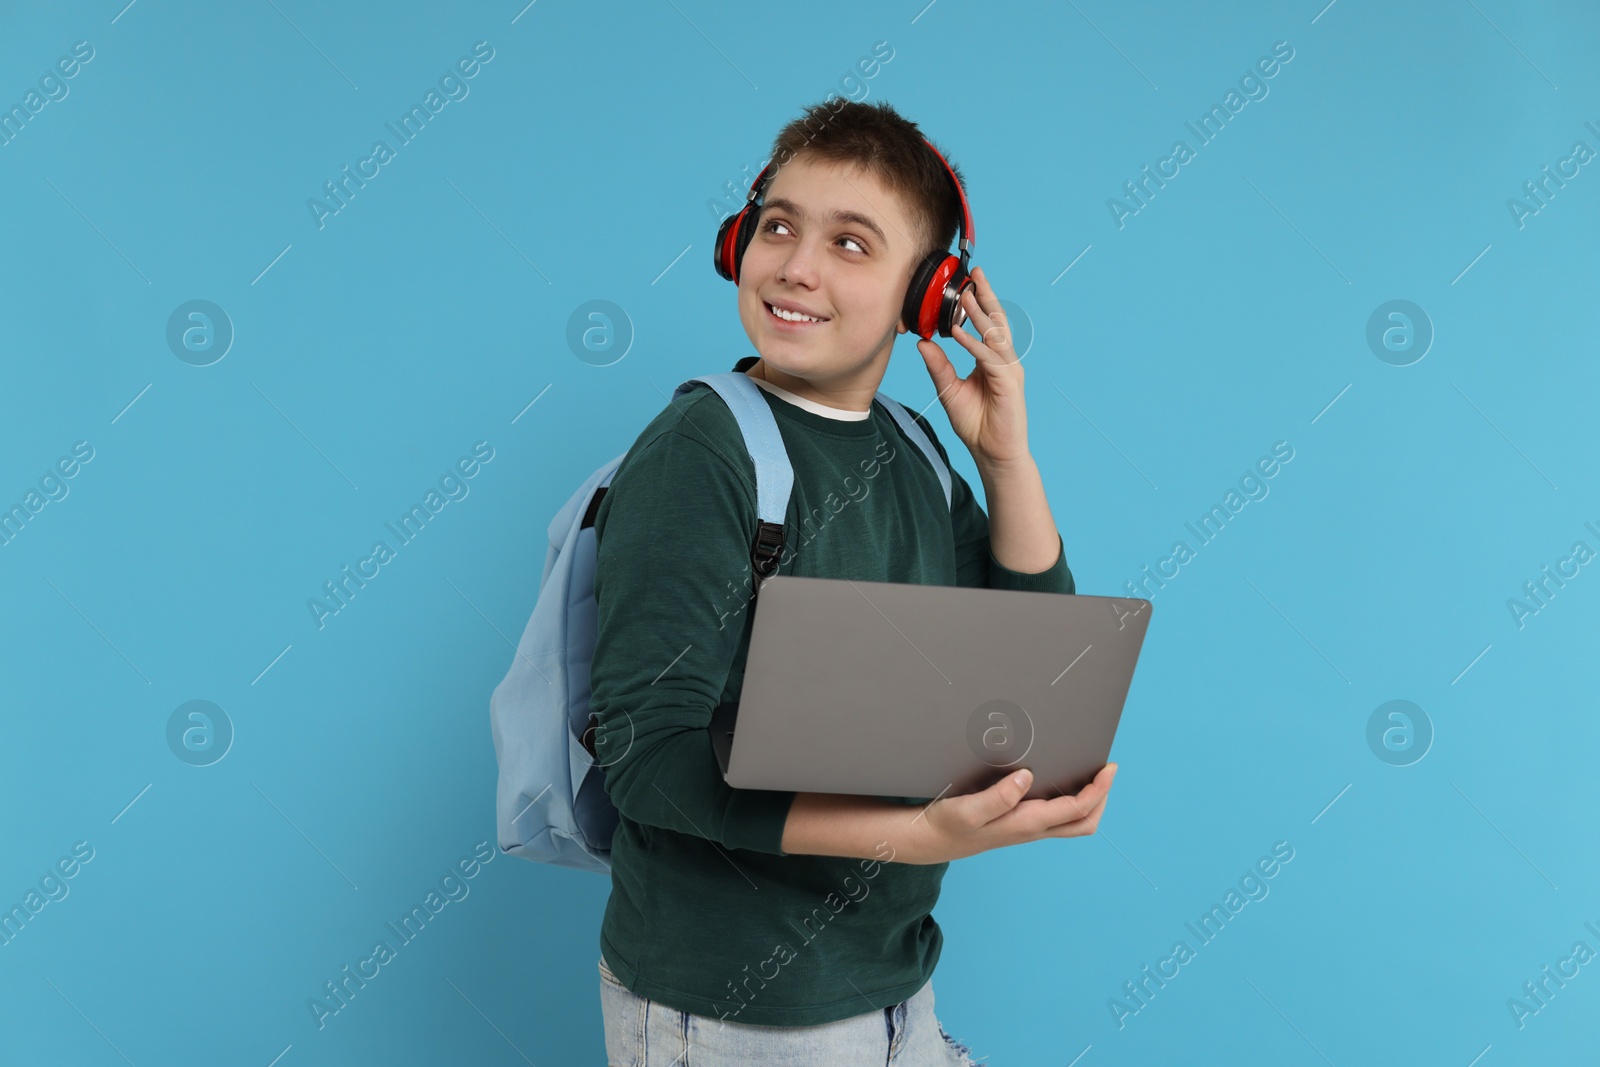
(842, 414)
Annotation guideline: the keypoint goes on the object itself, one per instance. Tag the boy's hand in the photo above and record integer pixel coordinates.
(962, 826)
(986, 407)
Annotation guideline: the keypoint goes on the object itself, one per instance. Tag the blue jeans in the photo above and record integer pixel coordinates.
(645, 1033)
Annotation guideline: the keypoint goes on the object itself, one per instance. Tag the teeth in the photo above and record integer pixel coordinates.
(792, 316)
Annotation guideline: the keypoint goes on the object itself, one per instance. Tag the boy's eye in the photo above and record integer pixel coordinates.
(768, 227)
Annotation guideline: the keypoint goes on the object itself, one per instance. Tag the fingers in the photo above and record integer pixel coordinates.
(1000, 810)
(1089, 821)
(985, 312)
(1088, 801)
(1006, 794)
(992, 342)
(982, 329)
(939, 367)
(996, 802)
(1079, 827)
(976, 315)
(980, 280)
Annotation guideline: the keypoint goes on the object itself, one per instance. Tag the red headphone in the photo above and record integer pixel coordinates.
(933, 302)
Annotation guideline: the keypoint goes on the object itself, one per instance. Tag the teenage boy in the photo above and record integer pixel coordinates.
(759, 921)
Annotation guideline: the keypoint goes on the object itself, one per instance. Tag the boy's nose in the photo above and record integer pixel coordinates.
(799, 266)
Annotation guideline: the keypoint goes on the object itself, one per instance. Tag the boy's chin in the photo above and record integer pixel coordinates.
(781, 364)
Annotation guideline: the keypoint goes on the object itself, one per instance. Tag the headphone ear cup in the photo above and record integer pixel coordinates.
(911, 313)
(951, 313)
(719, 259)
(733, 237)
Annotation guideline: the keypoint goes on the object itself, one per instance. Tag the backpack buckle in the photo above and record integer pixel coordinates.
(769, 545)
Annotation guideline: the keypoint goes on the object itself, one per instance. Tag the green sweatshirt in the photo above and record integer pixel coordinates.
(707, 914)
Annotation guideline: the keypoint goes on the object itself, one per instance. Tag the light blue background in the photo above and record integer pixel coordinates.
(1229, 314)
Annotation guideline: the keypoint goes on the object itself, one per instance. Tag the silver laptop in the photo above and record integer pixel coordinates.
(921, 691)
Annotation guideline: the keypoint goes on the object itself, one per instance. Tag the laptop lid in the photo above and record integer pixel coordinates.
(921, 691)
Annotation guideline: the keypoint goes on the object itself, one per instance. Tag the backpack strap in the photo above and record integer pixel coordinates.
(774, 473)
(909, 427)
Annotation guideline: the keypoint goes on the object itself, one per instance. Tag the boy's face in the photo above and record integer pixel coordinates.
(832, 240)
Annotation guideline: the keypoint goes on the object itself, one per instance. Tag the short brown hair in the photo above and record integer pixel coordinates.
(888, 145)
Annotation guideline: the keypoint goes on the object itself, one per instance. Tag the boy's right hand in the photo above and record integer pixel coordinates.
(962, 826)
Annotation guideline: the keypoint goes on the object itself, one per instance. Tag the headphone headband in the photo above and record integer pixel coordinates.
(964, 221)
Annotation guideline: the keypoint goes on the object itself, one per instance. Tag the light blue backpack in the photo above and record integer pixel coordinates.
(551, 804)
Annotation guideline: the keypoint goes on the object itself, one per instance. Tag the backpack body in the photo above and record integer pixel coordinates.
(551, 805)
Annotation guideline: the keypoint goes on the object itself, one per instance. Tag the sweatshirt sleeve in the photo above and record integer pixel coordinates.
(672, 585)
(975, 562)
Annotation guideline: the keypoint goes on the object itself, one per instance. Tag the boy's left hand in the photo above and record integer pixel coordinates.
(985, 408)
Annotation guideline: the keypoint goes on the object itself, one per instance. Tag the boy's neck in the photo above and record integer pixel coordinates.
(846, 396)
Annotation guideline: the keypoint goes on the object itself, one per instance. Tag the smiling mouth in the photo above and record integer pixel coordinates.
(772, 314)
